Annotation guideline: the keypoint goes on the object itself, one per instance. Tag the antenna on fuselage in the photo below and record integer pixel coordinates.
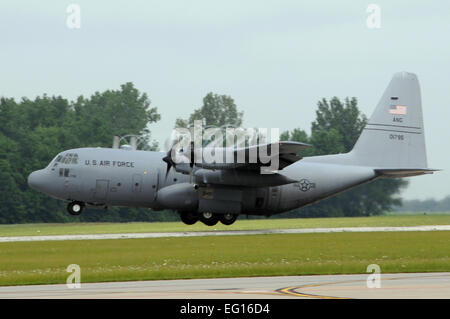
(133, 143)
(116, 142)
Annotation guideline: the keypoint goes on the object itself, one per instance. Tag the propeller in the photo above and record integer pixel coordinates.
(171, 163)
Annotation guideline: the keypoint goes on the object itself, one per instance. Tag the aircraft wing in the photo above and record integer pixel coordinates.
(288, 152)
(256, 156)
(245, 167)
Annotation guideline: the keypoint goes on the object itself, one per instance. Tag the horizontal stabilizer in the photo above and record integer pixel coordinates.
(403, 172)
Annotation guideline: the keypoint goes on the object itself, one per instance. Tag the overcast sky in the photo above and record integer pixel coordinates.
(275, 58)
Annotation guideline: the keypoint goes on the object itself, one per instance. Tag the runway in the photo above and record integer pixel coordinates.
(392, 286)
(225, 233)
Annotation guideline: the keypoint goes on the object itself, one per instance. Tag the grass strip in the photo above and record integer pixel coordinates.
(241, 224)
(224, 256)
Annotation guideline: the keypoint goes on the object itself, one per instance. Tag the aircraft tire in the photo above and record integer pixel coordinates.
(75, 208)
(209, 219)
(189, 218)
(228, 218)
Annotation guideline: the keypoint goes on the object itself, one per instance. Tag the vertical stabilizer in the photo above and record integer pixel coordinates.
(394, 134)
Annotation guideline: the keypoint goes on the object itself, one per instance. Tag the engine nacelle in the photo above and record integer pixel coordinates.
(178, 196)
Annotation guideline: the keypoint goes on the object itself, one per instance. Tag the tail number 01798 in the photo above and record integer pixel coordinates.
(397, 137)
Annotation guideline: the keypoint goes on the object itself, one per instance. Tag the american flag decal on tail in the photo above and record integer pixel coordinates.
(397, 109)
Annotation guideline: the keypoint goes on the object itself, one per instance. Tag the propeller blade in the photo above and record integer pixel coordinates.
(168, 159)
(191, 161)
(192, 155)
(169, 165)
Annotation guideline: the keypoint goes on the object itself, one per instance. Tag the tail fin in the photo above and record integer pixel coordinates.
(394, 135)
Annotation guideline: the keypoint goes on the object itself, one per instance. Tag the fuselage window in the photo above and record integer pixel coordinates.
(61, 172)
(66, 172)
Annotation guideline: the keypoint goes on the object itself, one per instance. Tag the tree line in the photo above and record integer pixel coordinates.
(425, 206)
(32, 132)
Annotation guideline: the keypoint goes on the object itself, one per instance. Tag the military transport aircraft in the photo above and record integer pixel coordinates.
(391, 145)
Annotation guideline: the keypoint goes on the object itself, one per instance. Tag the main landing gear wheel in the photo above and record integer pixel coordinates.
(189, 218)
(209, 219)
(75, 208)
(228, 218)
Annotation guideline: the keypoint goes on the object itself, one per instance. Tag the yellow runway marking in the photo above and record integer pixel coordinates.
(292, 291)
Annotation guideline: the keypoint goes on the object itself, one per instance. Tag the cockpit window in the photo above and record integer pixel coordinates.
(54, 162)
(69, 158)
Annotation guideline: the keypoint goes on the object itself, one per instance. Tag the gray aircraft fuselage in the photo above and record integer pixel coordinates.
(116, 177)
(391, 145)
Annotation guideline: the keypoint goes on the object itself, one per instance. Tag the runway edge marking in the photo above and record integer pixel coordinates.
(224, 233)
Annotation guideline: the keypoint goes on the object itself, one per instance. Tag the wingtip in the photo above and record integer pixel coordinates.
(295, 143)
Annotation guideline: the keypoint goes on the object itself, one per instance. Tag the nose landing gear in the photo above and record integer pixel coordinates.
(75, 208)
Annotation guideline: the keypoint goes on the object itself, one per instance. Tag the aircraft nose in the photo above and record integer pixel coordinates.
(36, 180)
